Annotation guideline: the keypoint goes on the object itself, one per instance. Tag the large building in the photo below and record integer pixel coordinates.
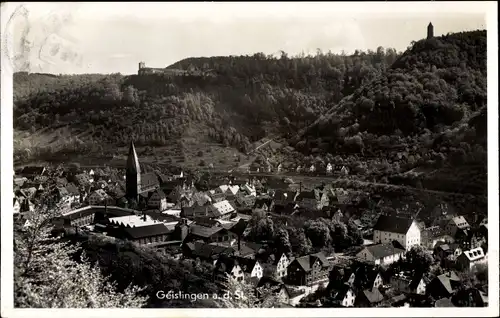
(138, 183)
(392, 228)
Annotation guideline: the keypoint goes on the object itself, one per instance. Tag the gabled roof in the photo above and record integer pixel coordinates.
(373, 295)
(246, 264)
(160, 193)
(474, 254)
(307, 261)
(72, 189)
(382, 250)
(446, 280)
(147, 231)
(149, 179)
(393, 224)
(306, 195)
(203, 231)
(444, 302)
(33, 170)
(284, 196)
(226, 263)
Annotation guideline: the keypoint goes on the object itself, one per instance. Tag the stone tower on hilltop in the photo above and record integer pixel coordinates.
(133, 174)
(430, 31)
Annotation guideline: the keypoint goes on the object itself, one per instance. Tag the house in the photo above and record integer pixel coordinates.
(263, 203)
(329, 168)
(308, 270)
(378, 254)
(32, 171)
(65, 197)
(222, 209)
(17, 206)
(131, 220)
(279, 168)
(215, 234)
(298, 169)
(98, 197)
(83, 180)
(173, 212)
(77, 218)
(446, 252)
(248, 189)
(277, 288)
(245, 202)
(444, 285)
(280, 265)
(20, 181)
(308, 200)
(283, 200)
(206, 252)
(217, 197)
(250, 267)
(196, 211)
(227, 267)
(405, 283)
(470, 258)
(471, 297)
(455, 224)
(369, 298)
(393, 228)
(153, 233)
(344, 171)
(158, 200)
(444, 302)
(433, 234)
(344, 296)
(312, 168)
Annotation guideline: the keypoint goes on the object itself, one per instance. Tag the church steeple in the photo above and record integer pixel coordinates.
(430, 31)
(133, 174)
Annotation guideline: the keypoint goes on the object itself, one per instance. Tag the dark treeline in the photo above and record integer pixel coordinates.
(248, 97)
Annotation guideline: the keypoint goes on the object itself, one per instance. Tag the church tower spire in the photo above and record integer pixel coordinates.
(133, 174)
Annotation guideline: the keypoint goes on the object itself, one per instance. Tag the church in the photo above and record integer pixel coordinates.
(138, 185)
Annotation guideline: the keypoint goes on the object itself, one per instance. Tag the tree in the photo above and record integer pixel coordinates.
(318, 233)
(241, 294)
(282, 241)
(301, 245)
(47, 275)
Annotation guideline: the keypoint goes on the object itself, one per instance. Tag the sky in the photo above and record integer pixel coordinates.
(114, 37)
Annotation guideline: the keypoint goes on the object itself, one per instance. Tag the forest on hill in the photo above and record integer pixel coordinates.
(429, 107)
(424, 108)
(251, 97)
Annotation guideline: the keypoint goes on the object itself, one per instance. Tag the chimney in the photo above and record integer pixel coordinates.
(144, 216)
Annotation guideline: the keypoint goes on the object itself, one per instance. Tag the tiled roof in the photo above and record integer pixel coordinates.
(474, 254)
(246, 264)
(147, 231)
(446, 279)
(393, 224)
(306, 195)
(71, 187)
(203, 231)
(443, 302)
(226, 263)
(373, 295)
(223, 207)
(149, 179)
(307, 261)
(32, 170)
(382, 250)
